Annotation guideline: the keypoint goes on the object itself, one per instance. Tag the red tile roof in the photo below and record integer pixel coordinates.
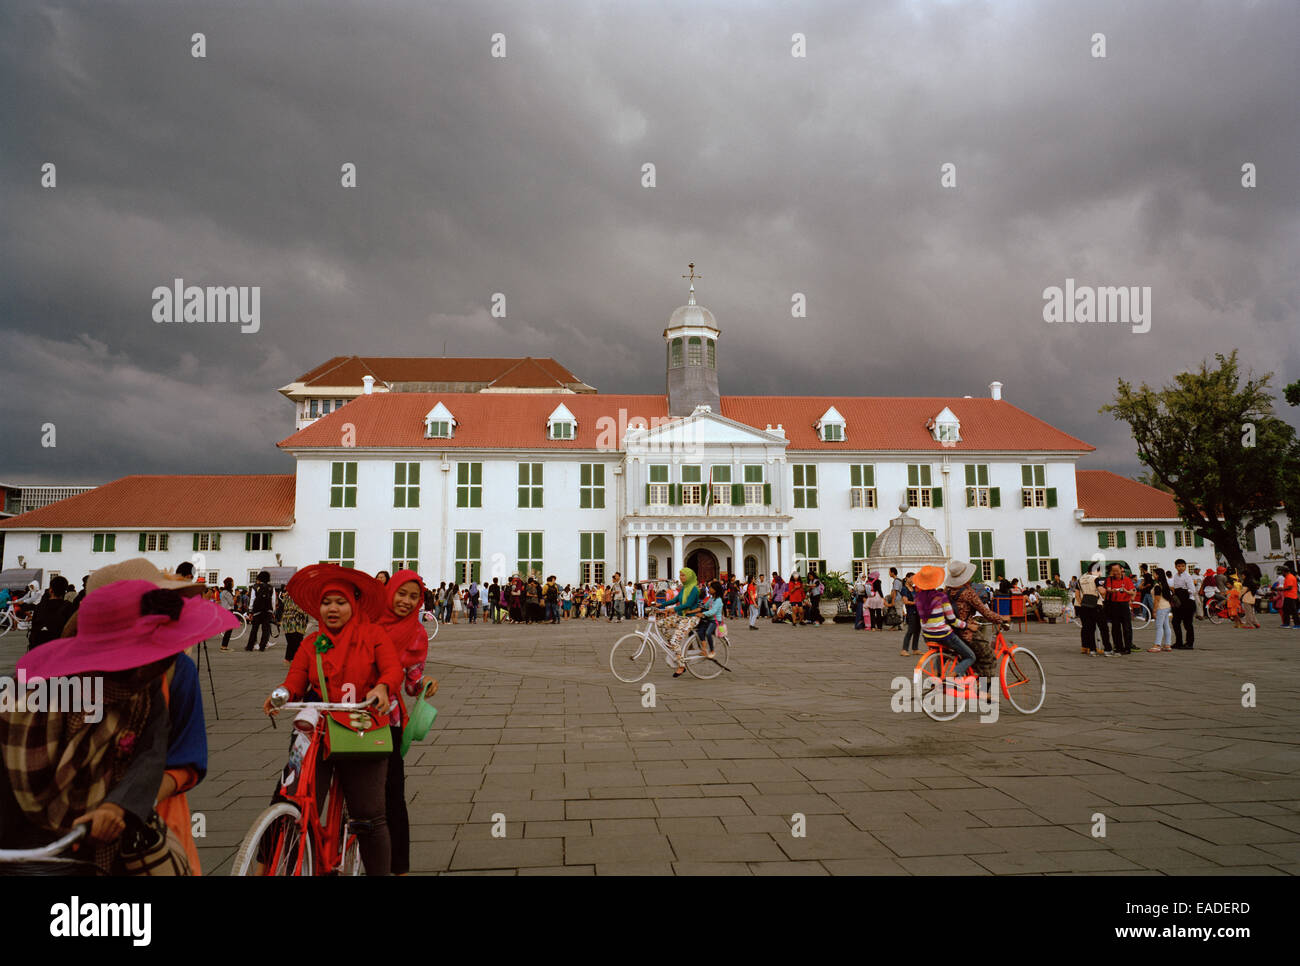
(1108, 496)
(171, 502)
(518, 421)
(527, 372)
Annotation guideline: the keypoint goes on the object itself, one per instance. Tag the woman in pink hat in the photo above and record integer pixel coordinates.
(103, 764)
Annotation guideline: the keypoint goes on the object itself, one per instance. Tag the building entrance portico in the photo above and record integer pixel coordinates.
(705, 565)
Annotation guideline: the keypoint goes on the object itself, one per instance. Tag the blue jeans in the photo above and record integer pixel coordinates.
(704, 630)
(1164, 626)
(955, 643)
(913, 630)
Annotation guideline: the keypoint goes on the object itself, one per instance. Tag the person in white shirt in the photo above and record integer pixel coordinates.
(1183, 586)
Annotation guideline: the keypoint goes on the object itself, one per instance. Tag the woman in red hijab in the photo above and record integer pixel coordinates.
(360, 665)
(404, 593)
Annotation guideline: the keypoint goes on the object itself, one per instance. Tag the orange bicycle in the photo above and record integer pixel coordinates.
(290, 838)
(1020, 674)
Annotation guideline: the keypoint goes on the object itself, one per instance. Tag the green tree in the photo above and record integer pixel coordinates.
(1196, 438)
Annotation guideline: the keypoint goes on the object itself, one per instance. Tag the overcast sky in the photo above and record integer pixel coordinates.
(775, 174)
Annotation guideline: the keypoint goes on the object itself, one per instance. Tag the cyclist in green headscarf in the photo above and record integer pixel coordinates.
(686, 608)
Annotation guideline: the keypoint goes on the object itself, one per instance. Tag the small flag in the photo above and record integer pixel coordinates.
(708, 495)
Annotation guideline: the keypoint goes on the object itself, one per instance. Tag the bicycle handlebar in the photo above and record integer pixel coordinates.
(46, 851)
(325, 706)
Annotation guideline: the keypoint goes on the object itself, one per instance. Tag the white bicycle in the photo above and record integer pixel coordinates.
(430, 621)
(634, 654)
(10, 621)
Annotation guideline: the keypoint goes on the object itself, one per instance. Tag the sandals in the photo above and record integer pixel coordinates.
(679, 672)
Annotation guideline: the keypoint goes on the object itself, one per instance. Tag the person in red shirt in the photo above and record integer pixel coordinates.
(360, 665)
(1118, 610)
(1290, 598)
(794, 593)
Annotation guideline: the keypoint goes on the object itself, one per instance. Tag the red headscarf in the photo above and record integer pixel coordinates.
(408, 636)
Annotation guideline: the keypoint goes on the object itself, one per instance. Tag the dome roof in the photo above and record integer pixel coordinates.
(905, 541)
(692, 315)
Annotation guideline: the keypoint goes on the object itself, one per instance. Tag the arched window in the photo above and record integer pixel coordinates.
(694, 351)
(652, 567)
(710, 348)
(675, 354)
(751, 563)
(1274, 536)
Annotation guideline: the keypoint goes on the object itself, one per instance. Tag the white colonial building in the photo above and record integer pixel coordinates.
(475, 480)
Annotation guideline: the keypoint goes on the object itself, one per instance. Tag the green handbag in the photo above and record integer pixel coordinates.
(363, 740)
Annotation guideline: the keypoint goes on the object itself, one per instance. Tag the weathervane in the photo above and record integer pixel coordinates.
(692, 277)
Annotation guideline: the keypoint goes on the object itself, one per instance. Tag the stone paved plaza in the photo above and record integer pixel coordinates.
(532, 724)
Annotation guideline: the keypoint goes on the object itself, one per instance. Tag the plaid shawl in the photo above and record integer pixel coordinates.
(61, 766)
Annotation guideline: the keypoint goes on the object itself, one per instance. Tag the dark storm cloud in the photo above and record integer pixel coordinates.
(776, 175)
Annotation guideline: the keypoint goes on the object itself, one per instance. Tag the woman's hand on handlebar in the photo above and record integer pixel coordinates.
(269, 709)
(378, 696)
(106, 821)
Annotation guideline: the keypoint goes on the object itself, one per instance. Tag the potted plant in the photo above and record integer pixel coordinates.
(1052, 600)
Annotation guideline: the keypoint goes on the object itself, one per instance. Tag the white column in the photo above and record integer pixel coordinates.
(771, 554)
(678, 564)
(643, 557)
(737, 563)
(629, 559)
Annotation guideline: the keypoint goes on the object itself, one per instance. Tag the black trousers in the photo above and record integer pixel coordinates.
(399, 821)
(291, 643)
(1185, 620)
(1120, 617)
(1089, 617)
(264, 626)
(363, 781)
(1289, 611)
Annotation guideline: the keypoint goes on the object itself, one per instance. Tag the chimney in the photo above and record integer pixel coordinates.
(995, 390)
(369, 383)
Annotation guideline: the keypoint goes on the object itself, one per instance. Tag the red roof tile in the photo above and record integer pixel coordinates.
(348, 370)
(171, 502)
(518, 421)
(1108, 496)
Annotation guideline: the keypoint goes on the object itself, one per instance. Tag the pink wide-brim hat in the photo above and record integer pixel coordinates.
(112, 634)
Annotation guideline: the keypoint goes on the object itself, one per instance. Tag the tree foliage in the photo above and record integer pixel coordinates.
(1195, 437)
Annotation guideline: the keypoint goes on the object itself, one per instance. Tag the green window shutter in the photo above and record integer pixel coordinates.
(767, 494)
(248, 541)
(476, 473)
(868, 476)
(1160, 538)
(523, 546)
(796, 474)
(57, 543)
(1056, 568)
(599, 546)
(814, 544)
(462, 473)
(995, 496)
(142, 542)
(336, 473)
(45, 543)
(855, 475)
(647, 494)
(412, 545)
(584, 546)
(737, 494)
(970, 496)
(97, 542)
(598, 474)
(974, 544)
(110, 541)
(584, 499)
(1027, 476)
(999, 568)
(349, 544)
(1031, 569)
(913, 474)
(399, 474)
(812, 499)
(677, 494)
(475, 546)
(1120, 539)
(1101, 541)
(1031, 543)
(399, 546)
(859, 545)
(1198, 540)
(350, 473)
(584, 474)
(537, 546)
(801, 543)
(399, 496)
(925, 475)
(413, 474)
(871, 539)
(462, 545)
(336, 545)
(1051, 496)
(475, 497)
(970, 474)
(936, 496)
(474, 568)
(216, 542)
(196, 543)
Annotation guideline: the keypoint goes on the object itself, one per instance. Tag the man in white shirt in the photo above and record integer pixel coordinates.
(1183, 586)
(764, 590)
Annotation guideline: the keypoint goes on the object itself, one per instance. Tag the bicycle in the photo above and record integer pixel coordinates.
(1216, 609)
(430, 617)
(1020, 675)
(10, 621)
(239, 633)
(633, 654)
(48, 860)
(289, 838)
(1141, 616)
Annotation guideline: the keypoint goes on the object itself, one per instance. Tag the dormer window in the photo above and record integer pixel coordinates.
(945, 427)
(439, 423)
(830, 428)
(561, 424)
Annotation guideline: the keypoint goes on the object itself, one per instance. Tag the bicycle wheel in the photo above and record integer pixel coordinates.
(631, 658)
(431, 624)
(239, 633)
(928, 681)
(273, 843)
(6, 624)
(1141, 616)
(1214, 610)
(706, 669)
(1023, 682)
(352, 857)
